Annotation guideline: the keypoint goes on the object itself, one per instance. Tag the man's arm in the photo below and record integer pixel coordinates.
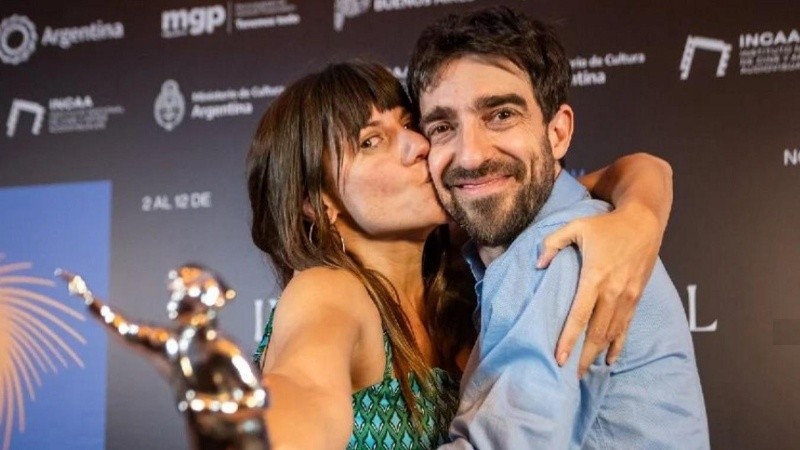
(619, 250)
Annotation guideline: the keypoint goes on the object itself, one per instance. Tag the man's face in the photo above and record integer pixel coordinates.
(490, 157)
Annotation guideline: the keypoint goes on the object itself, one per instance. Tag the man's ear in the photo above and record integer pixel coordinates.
(559, 131)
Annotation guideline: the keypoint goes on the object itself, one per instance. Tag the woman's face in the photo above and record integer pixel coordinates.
(385, 186)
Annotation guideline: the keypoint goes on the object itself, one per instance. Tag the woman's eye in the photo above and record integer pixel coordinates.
(370, 142)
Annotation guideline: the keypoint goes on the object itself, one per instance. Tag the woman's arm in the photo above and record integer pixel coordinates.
(307, 366)
(619, 250)
(639, 180)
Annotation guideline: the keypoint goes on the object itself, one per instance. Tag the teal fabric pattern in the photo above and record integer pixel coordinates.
(381, 420)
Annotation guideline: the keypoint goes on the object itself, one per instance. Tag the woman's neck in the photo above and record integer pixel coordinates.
(400, 261)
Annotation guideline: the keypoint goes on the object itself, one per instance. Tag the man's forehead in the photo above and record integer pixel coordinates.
(448, 77)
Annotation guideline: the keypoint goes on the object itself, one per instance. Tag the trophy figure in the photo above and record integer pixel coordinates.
(216, 387)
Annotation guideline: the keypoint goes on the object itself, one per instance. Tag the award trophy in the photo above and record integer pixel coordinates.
(216, 387)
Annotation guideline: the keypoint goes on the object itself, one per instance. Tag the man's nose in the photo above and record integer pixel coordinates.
(472, 147)
(415, 147)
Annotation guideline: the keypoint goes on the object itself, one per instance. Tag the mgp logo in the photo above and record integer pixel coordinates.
(192, 22)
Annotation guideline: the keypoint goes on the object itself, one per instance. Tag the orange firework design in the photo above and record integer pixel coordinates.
(28, 344)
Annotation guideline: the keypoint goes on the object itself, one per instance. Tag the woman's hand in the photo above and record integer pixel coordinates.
(619, 250)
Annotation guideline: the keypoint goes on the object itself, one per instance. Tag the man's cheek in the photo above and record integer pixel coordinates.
(436, 166)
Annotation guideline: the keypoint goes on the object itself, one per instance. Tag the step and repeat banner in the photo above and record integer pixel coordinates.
(125, 127)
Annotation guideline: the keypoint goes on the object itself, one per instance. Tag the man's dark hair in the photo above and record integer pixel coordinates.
(494, 32)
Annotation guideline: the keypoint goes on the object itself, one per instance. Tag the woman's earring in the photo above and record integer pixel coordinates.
(311, 239)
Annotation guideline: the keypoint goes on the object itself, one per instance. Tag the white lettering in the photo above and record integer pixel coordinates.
(624, 59)
(391, 5)
(161, 202)
(791, 157)
(97, 31)
(195, 21)
(200, 200)
(229, 109)
(586, 78)
(692, 291)
(768, 38)
(266, 91)
(578, 63)
(70, 103)
(214, 96)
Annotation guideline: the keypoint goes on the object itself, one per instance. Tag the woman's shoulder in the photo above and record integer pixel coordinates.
(325, 288)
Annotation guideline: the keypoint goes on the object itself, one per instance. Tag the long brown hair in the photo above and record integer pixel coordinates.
(297, 148)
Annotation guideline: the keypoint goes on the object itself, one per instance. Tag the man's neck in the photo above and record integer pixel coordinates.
(489, 254)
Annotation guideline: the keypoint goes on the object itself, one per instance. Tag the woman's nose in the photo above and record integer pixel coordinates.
(415, 147)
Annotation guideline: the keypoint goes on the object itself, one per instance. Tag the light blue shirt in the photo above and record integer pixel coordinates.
(515, 396)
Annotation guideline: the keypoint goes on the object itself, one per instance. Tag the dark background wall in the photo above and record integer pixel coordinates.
(95, 70)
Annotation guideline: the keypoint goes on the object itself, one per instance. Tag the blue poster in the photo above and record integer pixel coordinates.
(52, 356)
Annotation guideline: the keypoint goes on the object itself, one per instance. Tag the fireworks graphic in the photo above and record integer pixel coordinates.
(29, 346)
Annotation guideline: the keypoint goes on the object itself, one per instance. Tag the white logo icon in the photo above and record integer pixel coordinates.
(19, 53)
(195, 21)
(704, 43)
(345, 9)
(18, 107)
(170, 106)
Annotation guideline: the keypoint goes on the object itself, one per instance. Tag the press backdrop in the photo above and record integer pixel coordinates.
(159, 100)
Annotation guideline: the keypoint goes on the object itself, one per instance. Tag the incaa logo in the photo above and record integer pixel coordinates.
(704, 43)
(19, 106)
(195, 21)
(17, 39)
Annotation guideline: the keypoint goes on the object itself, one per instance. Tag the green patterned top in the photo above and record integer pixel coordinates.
(380, 417)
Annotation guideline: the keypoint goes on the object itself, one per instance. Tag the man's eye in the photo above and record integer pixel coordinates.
(503, 114)
(439, 128)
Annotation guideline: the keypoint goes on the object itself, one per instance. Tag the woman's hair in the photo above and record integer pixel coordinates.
(296, 154)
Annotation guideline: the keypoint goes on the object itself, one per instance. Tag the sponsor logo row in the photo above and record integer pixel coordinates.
(170, 107)
(20, 37)
(757, 53)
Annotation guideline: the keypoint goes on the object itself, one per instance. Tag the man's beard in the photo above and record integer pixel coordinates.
(485, 219)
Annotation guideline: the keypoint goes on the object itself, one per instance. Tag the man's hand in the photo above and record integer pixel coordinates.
(619, 250)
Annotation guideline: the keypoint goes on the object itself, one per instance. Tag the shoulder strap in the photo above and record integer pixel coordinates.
(388, 370)
(262, 346)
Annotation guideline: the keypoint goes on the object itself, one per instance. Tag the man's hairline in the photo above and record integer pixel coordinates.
(499, 61)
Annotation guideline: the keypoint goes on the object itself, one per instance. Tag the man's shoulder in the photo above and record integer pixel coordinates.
(583, 208)
(543, 226)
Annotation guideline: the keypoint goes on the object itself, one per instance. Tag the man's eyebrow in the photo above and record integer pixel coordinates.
(493, 101)
(438, 113)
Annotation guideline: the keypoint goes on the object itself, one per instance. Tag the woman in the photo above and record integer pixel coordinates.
(374, 315)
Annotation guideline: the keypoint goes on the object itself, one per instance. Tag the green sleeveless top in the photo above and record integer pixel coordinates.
(380, 417)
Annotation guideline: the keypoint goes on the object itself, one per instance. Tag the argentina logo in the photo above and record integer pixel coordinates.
(17, 39)
(170, 106)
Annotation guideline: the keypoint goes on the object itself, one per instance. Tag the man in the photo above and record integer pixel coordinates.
(491, 87)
